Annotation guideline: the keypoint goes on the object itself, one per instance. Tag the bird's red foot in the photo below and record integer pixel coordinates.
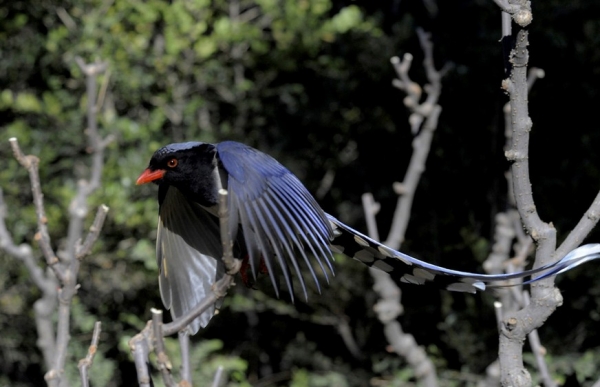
(246, 271)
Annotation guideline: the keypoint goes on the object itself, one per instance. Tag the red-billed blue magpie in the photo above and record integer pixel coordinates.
(273, 218)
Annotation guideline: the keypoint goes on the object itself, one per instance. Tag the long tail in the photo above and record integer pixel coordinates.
(356, 245)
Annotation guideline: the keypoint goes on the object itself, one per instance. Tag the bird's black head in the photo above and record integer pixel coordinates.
(189, 167)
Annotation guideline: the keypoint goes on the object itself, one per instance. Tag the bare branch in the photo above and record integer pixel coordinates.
(545, 298)
(78, 211)
(231, 264)
(78, 208)
(345, 331)
(66, 18)
(31, 163)
(22, 252)
(162, 359)
(218, 379)
(85, 248)
(88, 360)
(388, 308)
(219, 291)
(66, 267)
(103, 89)
(539, 351)
(45, 281)
(371, 208)
(534, 74)
(587, 222)
(139, 345)
(423, 120)
(498, 312)
(426, 113)
(184, 345)
(63, 328)
(517, 325)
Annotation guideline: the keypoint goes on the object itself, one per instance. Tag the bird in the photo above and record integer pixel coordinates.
(275, 223)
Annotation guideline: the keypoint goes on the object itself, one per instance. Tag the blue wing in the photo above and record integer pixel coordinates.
(279, 218)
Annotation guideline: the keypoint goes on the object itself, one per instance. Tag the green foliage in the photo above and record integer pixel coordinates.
(179, 70)
(205, 359)
(581, 367)
(303, 378)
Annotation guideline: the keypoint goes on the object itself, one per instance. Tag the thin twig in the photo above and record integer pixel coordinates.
(534, 74)
(31, 163)
(498, 313)
(85, 248)
(219, 290)
(88, 360)
(184, 345)
(231, 264)
(371, 208)
(218, 379)
(587, 222)
(139, 345)
(162, 359)
(428, 112)
(22, 252)
(103, 89)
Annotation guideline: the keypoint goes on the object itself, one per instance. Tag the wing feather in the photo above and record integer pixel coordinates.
(293, 230)
(188, 249)
(280, 213)
(308, 229)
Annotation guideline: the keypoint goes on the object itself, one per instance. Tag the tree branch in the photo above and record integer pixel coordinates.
(31, 163)
(78, 211)
(545, 297)
(423, 120)
(46, 282)
(88, 360)
(65, 266)
(162, 359)
(140, 347)
(218, 378)
(85, 248)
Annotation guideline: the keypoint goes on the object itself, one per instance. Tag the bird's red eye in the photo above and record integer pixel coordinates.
(172, 163)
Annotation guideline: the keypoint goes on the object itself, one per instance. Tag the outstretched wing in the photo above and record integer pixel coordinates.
(411, 270)
(279, 217)
(188, 250)
(281, 220)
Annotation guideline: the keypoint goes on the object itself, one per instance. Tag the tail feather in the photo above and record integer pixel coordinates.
(576, 257)
(411, 270)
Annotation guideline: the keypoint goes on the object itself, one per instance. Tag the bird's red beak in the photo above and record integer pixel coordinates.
(148, 176)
